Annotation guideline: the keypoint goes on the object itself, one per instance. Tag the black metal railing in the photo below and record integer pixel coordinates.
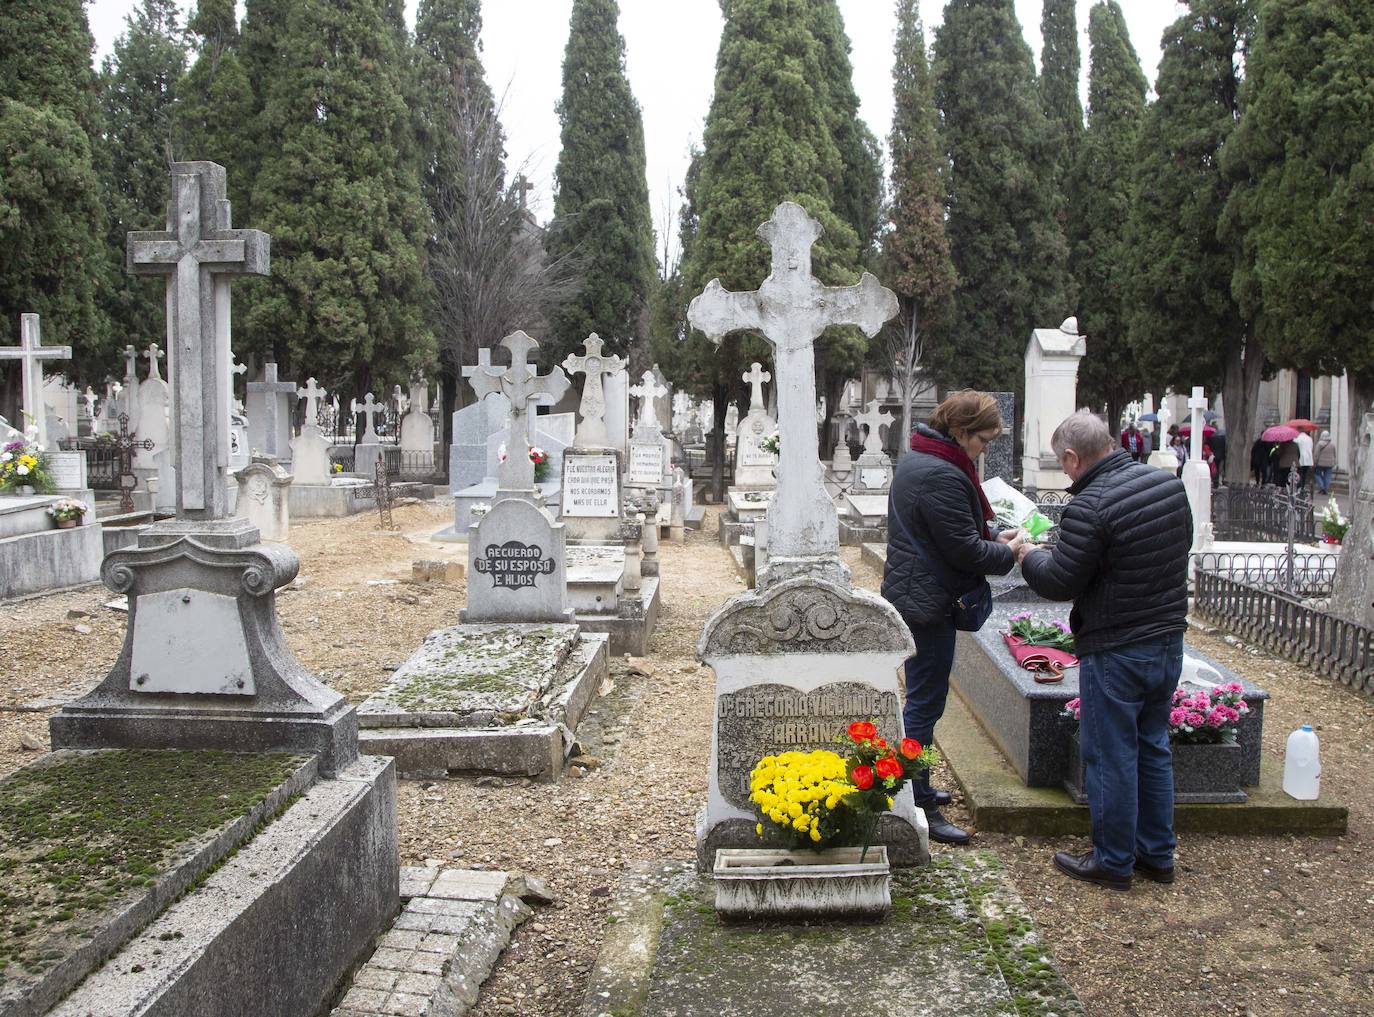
(1283, 624)
(1262, 513)
(1302, 575)
(102, 461)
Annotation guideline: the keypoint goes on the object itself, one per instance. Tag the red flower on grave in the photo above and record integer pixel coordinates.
(888, 767)
(911, 748)
(862, 777)
(862, 731)
(880, 743)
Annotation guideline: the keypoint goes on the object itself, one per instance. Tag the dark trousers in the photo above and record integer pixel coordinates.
(1126, 695)
(927, 688)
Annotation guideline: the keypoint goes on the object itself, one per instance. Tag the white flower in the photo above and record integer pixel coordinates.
(22, 470)
(6, 456)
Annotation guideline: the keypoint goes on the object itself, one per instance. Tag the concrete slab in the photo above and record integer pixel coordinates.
(957, 930)
(875, 553)
(631, 629)
(1001, 803)
(50, 559)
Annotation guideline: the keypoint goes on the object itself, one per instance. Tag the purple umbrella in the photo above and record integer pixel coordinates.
(1279, 432)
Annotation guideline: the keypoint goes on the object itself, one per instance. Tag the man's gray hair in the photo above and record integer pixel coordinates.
(1085, 433)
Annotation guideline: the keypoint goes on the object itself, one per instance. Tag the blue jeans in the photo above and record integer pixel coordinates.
(1324, 478)
(1126, 696)
(927, 688)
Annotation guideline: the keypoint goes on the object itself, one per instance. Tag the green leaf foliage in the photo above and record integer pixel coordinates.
(346, 301)
(53, 258)
(601, 211)
(1005, 237)
(216, 107)
(1303, 204)
(1059, 64)
(1103, 190)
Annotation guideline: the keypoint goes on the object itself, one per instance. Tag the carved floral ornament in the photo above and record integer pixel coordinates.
(804, 616)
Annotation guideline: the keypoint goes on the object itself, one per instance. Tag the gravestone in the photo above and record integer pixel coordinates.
(753, 465)
(873, 472)
(999, 458)
(264, 497)
(417, 428)
(649, 450)
(806, 653)
(154, 412)
(595, 366)
(31, 353)
(270, 406)
(1197, 475)
(1052, 358)
(369, 450)
(131, 388)
(591, 496)
(618, 410)
(310, 462)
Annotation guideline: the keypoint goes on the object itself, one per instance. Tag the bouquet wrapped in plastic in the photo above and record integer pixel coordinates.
(1014, 510)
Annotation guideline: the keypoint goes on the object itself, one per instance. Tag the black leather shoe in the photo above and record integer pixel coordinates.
(942, 831)
(1085, 867)
(1154, 872)
(943, 798)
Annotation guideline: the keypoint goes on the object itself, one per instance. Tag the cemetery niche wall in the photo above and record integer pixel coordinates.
(204, 683)
(504, 690)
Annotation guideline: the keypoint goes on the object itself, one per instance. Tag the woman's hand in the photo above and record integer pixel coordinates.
(1019, 539)
(1007, 536)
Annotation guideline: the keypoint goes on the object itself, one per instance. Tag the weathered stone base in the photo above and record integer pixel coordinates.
(852, 534)
(907, 844)
(733, 528)
(876, 554)
(330, 501)
(533, 747)
(278, 925)
(667, 955)
(50, 560)
(630, 630)
(694, 517)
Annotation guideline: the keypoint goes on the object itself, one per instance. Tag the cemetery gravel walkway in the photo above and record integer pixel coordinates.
(1254, 926)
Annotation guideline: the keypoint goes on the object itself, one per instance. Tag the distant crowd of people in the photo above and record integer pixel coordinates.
(1271, 462)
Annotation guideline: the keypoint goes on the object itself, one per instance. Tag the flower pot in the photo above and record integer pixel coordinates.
(781, 885)
(24, 490)
(1202, 773)
(67, 524)
(1328, 539)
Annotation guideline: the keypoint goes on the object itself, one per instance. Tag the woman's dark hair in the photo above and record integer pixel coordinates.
(968, 412)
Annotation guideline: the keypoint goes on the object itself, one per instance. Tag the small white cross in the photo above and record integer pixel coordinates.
(370, 408)
(756, 376)
(873, 419)
(31, 354)
(591, 433)
(154, 355)
(312, 394)
(646, 392)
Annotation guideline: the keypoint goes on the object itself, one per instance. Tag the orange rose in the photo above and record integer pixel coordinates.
(889, 767)
(862, 777)
(880, 743)
(911, 748)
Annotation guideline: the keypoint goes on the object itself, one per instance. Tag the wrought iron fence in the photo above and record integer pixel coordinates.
(1261, 513)
(1280, 622)
(102, 461)
(1302, 575)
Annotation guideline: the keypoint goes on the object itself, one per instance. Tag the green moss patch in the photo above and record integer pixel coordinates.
(82, 835)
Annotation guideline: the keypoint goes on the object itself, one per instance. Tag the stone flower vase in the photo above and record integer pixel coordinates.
(780, 885)
(1202, 773)
(68, 524)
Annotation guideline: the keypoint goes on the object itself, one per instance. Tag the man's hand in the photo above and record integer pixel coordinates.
(1024, 550)
(1007, 536)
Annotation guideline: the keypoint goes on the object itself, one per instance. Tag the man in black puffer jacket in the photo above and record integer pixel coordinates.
(1122, 558)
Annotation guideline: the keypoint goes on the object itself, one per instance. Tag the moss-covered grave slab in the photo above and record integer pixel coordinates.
(958, 943)
(95, 844)
(486, 699)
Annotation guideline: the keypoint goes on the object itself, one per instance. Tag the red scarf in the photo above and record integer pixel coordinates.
(952, 453)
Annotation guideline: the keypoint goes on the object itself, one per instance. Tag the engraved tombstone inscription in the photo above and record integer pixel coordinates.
(514, 564)
(590, 486)
(646, 463)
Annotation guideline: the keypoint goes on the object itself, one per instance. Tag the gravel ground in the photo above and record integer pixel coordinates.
(1255, 925)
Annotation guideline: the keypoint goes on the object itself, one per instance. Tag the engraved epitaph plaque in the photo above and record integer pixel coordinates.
(67, 470)
(646, 463)
(591, 486)
(514, 565)
(750, 452)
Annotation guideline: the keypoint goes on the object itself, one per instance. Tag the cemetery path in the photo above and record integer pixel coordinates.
(1254, 926)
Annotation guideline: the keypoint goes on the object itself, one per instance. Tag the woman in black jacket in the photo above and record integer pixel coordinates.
(939, 546)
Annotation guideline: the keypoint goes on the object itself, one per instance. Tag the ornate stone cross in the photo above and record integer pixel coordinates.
(370, 408)
(197, 253)
(154, 355)
(874, 420)
(792, 308)
(646, 392)
(419, 393)
(591, 431)
(312, 394)
(31, 354)
(756, 376)
(89, 397)
(131, 365)
(1198, 404)
(522, 386)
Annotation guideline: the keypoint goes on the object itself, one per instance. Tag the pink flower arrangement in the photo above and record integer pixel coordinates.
(1197, 716)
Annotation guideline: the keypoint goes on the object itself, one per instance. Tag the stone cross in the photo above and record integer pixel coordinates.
(154, 355)
(419, 393)
(646, 392)
(89, 397)
(312, 394)
(591, 431)
(521, 385)
(369, 408)
(792, 308)
(523, 188)
(270, 388)
(31, 354)
(399, 400)
(1198, 404)
(131, 365)
(197, 253)
(873, 419)
(756, 376)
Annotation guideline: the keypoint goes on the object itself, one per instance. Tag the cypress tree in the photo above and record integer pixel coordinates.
(1183, 321)
(916, 259)
(601, 211)
(1005, 238)
(1110, 373)
(1059, 64)
(346, 301)
(53, 259)
(138, 86)
(215, 104)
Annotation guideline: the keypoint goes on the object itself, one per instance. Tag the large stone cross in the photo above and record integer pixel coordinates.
(31, 354)
(1197, 403)
(874, 420)
(646, 392)
(522, 386)
(792, 308)
(270, 388)
(755, 377)
(369, 408)
(312, 394)
(197, 253)
(419, 393)
(591, 432)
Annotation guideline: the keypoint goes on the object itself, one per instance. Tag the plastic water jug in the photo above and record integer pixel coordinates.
(1302, 768)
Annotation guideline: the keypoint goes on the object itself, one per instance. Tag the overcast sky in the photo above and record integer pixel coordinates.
(671, 56)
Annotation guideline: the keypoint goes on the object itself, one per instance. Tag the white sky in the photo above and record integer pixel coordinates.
(671, 57)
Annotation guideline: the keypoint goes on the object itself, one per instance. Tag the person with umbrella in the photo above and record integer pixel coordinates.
(1283, 456)
(1304, 445)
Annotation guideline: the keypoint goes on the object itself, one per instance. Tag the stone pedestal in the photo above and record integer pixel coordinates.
(365, 457)
(592, 507)
(265, 497)
(873, 474)
(233, 685)
(753, 466)
(310, 462)
(1051, 395)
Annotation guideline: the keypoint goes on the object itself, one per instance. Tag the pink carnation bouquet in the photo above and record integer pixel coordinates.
(1197, 716)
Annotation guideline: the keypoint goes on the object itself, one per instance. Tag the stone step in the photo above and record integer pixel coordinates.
(432, 962)
(957, 928)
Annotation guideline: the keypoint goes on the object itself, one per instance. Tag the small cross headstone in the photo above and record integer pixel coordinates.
(312, 394)
(873, 417)
(755, 377)
(521, 385)
(30, 353)
(124, 445)
(646, 392)
(370, 409)
(270, 402)
(1197, 403)
(591, 431)
(154, 354)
